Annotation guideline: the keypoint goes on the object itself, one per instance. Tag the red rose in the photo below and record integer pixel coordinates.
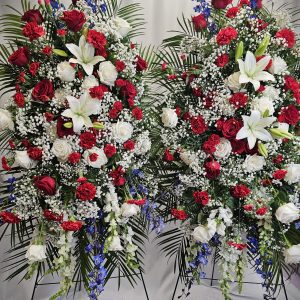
(289, 114)
(33, 15)
(61, 130)
(212, 168)
(74, 19)
(230, 128)
(199, 22)
(279, 174)
(120, 65)
(226, 35)
(5, 164)
(35, 153)
(118, 105)
(98, 91)
(201, 197)
(238, 146)
(86, 191)
(168, 156)
(87, 140)
(198, 125)
(238, 100)
(232, 12)
(9, 217)
(74, 158)
(97, 39)
(46, 184)
(261, 211)
(288, 35)
(19, 99)
(290, 83)
(110, 150)
(222, 60)
(220, 4)
(33, 68)
(240, 191)
(141, 64)
(33, 31)
(20, 57)
(129, 145)
(137, 113)
(71, 225)
(244, 2)
(43, 91)
(179, 214)
(248, 207)
(49, 215)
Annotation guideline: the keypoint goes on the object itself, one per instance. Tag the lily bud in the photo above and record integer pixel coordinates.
(263, 46)
(85, 31)
(68, 125)
(98, 125)
(60, 52)
(281, 134)
(262, 150)
(239, 51)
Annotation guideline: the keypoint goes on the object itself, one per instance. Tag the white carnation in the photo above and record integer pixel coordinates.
(122, 26)
(90, 82)
(254, 163)
(6, 121)
(122, 131)
(292, 254)
(287, 213)
(233, 82)
(169, 117)
(108, 73)
(129, 210)
(23, 160)
(101, 158)
(36, 253)
(65, 71)
(263, 104)
(293, 173)
(278, 66)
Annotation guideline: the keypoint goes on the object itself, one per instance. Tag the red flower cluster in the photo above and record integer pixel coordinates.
(179, 214)
(238, 246)
(222, 60)
(5, 164)
(86, 191)
(98, 40)
(110, 150)
(129, 145)
(87, 140)
(198, 125)
(9, 217)
(19, 99)
(98, 91)
(33, 31)
(220, 4)
(289, 114)
(279, 174)
(168, 156)
(230, 128)
(137, 113)
(261, 211)
(49, 215)
(240, 191)
(226, 35)
(199, 22)
(212, 168)
(288, 35)
(201, 197)
(209, 146)
(232, 12)
(33, 15)
(74, 158)
(71, 225)
(127, 90)
(238, 100)
(35, 153)
(138, 202)
(117, 175)
(141, 64)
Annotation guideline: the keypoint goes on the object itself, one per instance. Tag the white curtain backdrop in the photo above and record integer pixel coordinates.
(160, 279)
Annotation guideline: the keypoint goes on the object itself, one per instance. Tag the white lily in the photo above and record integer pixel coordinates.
(80, 110)
(252, 71)
(85, 55)
(254, 128)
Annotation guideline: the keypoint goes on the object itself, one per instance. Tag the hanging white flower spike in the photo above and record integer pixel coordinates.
(253, 71)
(85, 55)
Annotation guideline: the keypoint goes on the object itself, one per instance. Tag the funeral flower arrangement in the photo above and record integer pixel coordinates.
(74, 138)
(229, 136)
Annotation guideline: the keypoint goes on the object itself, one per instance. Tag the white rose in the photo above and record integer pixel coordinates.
(143, 145)
(263, 104)
(100, 156)
(223, 149)
(169, 117)
(278, 65)
(6, 121)
(65, 71)
(292, 254)
(293, 173)
(122, 131)
(115, 244)
(271, 92)
(254, 163)
(23, 160)
(107, 73)
(36, 253)
(89, 82)
(204, 234)
(287, 213)
(233, 81)
(61, 149)
(129, 210)
(122, 26)
(188, 157)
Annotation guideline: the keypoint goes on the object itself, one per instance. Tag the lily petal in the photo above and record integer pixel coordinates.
(261, 64)
(242, 134)
(264, 76)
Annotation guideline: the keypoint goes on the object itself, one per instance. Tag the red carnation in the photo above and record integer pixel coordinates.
(87, 140)
(127, 90)
(248, 207)
(179, 214)
(278, 159)
(141, 64)
(49, 215)
(240, 191)
(198, 125)
(71, 225)
(212, 168)
(33, 31)
(201, 197)
(97, 39)
(261, 25)
(98, 91)
(113, 113)
(289, 114)
(279, 174)
(86, 191)
(222, 60)
(20, 57)
(261, 211)
(110, 150)
(9, 217)
(119, 181)
(19, 99)
(33, 68)
(118, 105)
(35, 153)
(129, 145)
(290, 83)
(238, 146)
(45, 184)
(120, 65)
(230, 128)
(47, 50)
(74, 19)
(33, 15)
(43, 91)
(288, 35)
(61, 32)
(117, 175)
(5, 164)
(220, 4)
(168, 156)
(74, 158)
(226, 35)
(199, 22)
(209, 147)
(137, 113)
(238, 100)
(232, 12)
